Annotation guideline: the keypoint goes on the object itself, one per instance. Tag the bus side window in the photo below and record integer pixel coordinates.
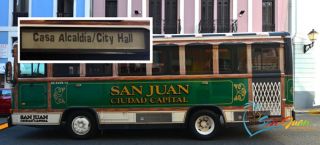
(132, 69)
(265, 58)
(66, 70)
(199, 59)
(232, 58)
(166, 60)
(98, 70)
(32, 70)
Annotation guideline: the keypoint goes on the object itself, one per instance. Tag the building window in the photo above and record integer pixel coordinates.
(268, 17)
(199, 59)
(156, 14)
(65, 8)
(265, 58)
(111, 8)
(66, 70)
(98, 70)
(206, 24)
(223, 21)
(135, 69)
(166, 60)
(232, 58)
(20, 9)
(32, 70)
(171, 17)
(171, 23)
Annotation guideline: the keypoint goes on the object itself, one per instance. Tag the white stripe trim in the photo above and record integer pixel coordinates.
(30, 9)
(10, 18)
(250, 15)
(235, 9)
(53, 118)
(181, 9)
(130, 117)
(55, 8)
(129, 8)
(144, 8)
(87, 8)
(75, 8)
(196, 16)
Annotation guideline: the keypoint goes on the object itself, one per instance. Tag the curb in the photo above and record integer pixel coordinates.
(311, 111)
(4, 126)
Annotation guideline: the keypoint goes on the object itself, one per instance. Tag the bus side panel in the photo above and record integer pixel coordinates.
(147, 94)
(32, 96)
(289, 89)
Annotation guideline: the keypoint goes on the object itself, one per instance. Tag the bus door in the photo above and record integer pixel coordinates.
(32, 95)
(266, 81)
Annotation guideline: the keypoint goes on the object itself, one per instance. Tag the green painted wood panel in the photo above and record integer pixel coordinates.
(32, 96)
(126, 94)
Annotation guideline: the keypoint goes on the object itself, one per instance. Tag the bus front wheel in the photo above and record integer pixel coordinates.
(81, 125)
(204, 124)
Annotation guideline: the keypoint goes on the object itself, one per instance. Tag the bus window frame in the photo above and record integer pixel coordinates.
(33, 76)
(166, 47)
(234, 49)
(265, 46)
(202, 46)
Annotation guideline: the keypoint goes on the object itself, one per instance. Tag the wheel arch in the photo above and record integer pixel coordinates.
(74, 109)
(213, 108)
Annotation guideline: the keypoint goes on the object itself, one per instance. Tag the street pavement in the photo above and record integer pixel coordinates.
(22, 135)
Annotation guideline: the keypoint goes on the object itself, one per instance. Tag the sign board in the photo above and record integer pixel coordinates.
(85, 40)
(103, 39)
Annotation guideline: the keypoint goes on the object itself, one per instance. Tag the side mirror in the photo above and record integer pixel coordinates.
(9, 72)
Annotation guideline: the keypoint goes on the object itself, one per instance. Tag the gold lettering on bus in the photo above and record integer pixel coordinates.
(125, 91)
(152, 94)
(153, 90)
(136, 90)
(184, 89)
(115, 90)
(164, 90)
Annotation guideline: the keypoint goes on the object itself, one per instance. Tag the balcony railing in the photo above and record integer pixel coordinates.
(168, 27)
(60, 14)
(218, 26)
(268, 27)
(171, 27)
(16, 15)
(206, 26)
(157, 24)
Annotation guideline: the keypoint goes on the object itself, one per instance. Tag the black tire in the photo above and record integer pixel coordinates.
(205, 114)
(81, 118)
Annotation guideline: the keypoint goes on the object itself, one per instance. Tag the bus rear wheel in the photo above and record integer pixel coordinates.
(81, 125)
(204, 124)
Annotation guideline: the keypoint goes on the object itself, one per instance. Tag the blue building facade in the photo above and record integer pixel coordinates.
(11, 9)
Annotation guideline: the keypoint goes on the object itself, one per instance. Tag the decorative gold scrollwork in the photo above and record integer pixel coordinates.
(57, 95)
(241, 92)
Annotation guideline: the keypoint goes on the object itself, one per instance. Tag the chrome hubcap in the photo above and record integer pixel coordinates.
(204, 125)
(81, 125)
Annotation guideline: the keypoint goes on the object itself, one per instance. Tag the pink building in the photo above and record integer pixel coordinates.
(201, 16)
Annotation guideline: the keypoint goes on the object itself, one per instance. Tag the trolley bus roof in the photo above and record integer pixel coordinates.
(218, 38)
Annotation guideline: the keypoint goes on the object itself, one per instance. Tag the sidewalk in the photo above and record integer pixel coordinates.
(314, 110)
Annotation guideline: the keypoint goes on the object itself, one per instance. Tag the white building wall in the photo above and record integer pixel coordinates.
(307, 65)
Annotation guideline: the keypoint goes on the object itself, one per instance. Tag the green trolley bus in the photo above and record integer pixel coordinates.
(200, 82)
